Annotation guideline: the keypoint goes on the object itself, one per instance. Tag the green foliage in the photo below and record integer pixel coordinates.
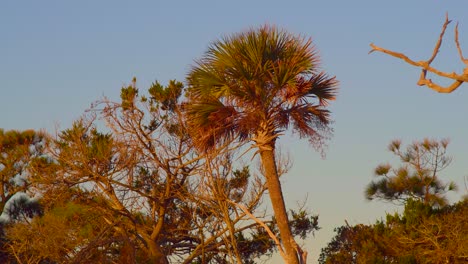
(261, 76)
(87, 147)
(421, 234)
(418, 176)
(128, 95)
(61, 235)
(428, 231)
(240, 178)
(303, 224)
(139, 193)
(358, 244)
(23, 208)
(167, 97)
(18, 149)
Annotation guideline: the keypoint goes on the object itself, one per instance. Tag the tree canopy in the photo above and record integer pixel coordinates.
(428, 231)
(418, 176)
(133, 189)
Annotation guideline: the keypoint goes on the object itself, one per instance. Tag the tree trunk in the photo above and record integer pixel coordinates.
(154, 253)
(277, 201)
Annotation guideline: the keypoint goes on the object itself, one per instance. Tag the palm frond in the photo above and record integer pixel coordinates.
(323, 87)
(213, 122)
(262, 75)
(310, 121)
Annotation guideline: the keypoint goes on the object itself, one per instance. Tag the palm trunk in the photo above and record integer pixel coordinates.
(277, 201)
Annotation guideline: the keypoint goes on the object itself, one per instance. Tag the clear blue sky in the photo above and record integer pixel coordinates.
(56, 57)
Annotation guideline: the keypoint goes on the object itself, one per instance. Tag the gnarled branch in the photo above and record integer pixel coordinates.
(425, 66)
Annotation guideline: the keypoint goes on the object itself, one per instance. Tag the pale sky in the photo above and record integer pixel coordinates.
(57, 57)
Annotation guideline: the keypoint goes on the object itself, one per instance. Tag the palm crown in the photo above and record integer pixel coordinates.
(256, 84)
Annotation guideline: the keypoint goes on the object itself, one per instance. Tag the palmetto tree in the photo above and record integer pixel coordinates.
(252, 86)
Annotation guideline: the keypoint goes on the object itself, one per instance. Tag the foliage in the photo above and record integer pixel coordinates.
(262, 79)
(417, 178)
(356, 244)
(140, 193)
(428, 231)
(17, 150)
(68, 232)
(421, 234)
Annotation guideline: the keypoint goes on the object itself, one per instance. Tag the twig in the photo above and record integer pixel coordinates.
(458, 46)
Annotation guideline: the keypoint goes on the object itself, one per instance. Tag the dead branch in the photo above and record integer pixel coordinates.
(425, 66)
(267, 229)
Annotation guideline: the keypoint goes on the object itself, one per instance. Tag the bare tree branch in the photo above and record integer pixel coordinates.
(439, 41)
(425, 66)
(458, 46)
(261, 223)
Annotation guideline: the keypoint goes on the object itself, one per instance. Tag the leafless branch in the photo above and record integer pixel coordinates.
(458, 79)
(267, 229)
(458, 46)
